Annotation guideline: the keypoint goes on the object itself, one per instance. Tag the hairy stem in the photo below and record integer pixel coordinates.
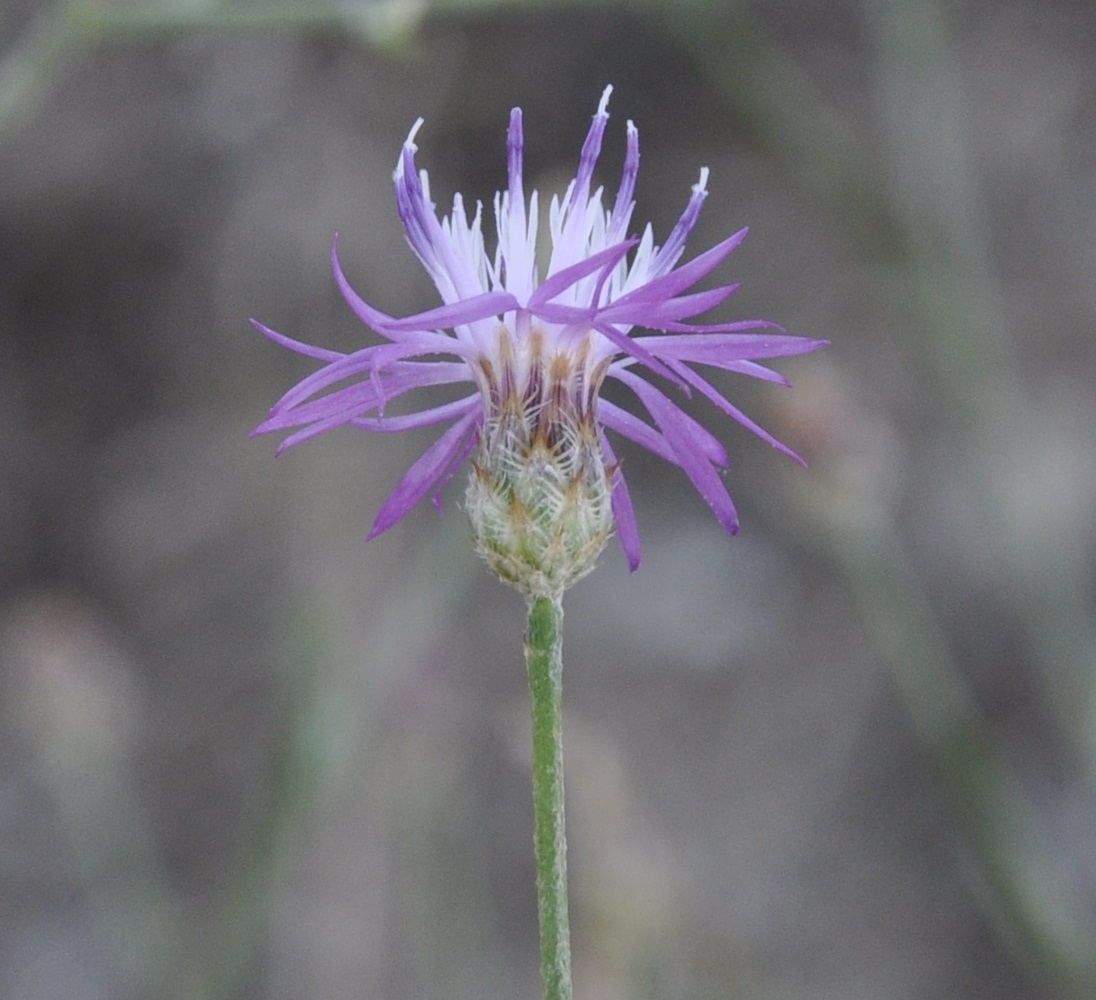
(544, 658)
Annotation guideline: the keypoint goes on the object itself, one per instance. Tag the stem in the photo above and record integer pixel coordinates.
(544, 658)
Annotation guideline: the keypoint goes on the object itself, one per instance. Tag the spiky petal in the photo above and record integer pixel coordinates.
(535, 345)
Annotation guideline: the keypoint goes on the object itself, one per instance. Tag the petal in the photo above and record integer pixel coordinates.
(455, 463)
(514, 146)
(556, 312)
(352, 401)
(729, 408)
(591, 150)
(623, 512)
(315, 429)
(515, 266)
(515, 256)
(424, 418)
(570, 239)
(635, 349)
(333, 410)
(678, 430)
(462, 311)
(754, 370)
(668, 285)
(624, 204)
(398, 378)
(296, 345)
(719, 348)
(628, 425)
(481, 306)
(738, 326)
(454, 276)
(665, 258)
(355, 400)
(564, 279)
(418, 480)
(363, 310)
(659, 313)
(348, 366)
(419, 345)
(692, 445)
(709, 444)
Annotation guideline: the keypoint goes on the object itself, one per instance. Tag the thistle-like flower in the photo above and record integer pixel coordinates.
(537, 343)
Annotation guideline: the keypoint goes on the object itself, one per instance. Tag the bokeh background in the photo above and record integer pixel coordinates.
(850, 753)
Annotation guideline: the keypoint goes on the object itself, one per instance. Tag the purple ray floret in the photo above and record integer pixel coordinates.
(608, 303)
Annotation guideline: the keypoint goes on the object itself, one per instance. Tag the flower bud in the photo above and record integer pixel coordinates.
(539, 495)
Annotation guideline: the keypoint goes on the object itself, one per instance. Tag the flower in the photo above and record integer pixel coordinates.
(536, 342)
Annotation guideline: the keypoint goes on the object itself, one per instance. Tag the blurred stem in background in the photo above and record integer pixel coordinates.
(32, 60)
(968, 344)
(928, 204)
(1032, 898)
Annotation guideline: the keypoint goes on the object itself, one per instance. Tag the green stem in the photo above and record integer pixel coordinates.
(544, 658)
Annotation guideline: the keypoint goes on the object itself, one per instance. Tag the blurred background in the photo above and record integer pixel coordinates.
(850, 753)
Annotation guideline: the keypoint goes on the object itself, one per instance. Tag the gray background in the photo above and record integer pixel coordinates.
(847, 754)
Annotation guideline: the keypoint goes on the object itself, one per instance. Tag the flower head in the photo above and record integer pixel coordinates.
(535, 342)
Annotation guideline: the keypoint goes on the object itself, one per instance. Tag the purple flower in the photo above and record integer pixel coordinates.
(535, 342)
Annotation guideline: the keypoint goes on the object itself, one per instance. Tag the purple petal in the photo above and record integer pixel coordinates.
(628, 425)
(363, 310)
(555, 284)
(397, 379)
(416, 346)
(455, 277)
(514, 143)
(729, 408)
(424, 418)
(709, 444)
(669, 285)
(634, 349)
(679, 430)
(624, 204)
(415, 210)
(296, 345)
(336, 408)
(475, 307)
(569, 246)
(418, 480)
(719, 348)
(467, 310)
(754, 370)
(557, 312)
(624, 513)
(738, 326)
(308, 433)
(591, 150)
(674, 246)
(455, 463)
(659, 314)
(348, 403)
(341, 406)
(348, 366)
